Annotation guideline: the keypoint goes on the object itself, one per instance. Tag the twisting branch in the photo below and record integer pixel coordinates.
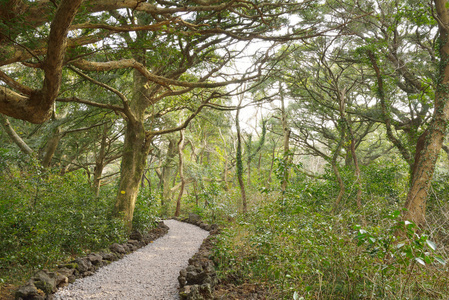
(14, 84)
(103, 85)
(386, 116)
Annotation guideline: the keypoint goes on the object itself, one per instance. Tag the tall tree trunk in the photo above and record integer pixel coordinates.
(273, 156)
(341, 184)
(181, 173)
(286, 134)
(357, 173)
(50, 148)
(342, 99)
(239, 161)
(167, 172)
(249, 159)
(248, 180)
(136, 148)
(225, 169)
(430, 142)
(99, 161)
(98, 171)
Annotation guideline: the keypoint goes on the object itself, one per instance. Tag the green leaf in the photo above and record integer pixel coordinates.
(295, 296)
(431, 244)
(400, 245)
(440, 260)
(418, 259)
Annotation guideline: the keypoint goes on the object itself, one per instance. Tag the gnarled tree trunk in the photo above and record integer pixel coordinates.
(136, 148)
(167, 172)
(430, 142)
(181, 174)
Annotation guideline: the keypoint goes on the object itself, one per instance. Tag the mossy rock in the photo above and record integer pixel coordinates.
(45, 281)
(69, 266)
(46, 287)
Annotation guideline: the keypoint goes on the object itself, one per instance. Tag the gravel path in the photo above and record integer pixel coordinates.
(148, 273)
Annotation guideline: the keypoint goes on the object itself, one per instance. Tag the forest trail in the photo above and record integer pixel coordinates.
(148, 273)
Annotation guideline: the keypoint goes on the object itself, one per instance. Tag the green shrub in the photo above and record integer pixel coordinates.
(45, 218)
(147, 211)
(296, 247)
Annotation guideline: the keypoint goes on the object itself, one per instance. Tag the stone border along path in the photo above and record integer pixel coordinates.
(148, 273)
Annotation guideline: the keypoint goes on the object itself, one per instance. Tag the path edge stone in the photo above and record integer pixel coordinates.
(198, 280)
(45, 283)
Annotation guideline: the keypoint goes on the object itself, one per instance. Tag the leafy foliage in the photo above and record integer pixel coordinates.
(297, 248)
(46, 218)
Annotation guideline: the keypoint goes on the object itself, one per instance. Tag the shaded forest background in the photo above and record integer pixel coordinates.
(314, 132)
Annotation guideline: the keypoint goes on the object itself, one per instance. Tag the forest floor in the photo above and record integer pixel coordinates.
(7, 291)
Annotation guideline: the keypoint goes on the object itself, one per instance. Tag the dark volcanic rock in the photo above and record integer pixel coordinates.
(29, 292)
(117, 248)
(84, 264)
(131, 247)
(45, 281)
(95, 258)
(109, 256)
(198, 280)
(126, 247)
(195, 275)
(194, 218)
(136, 235)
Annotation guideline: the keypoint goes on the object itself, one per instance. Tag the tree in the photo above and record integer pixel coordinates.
(190, 33)
(88, 22)
(181, 173)
(239, 158)
(430, 142)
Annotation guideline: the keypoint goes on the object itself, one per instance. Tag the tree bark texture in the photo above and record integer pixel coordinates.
(14, 136)
(36, 105)
(181, 173)
(341, 184)
(167, 172)
(430, 142)
(100, 161)
(50, 148)
(135, 150)
(239, 161)
(286, 143)
(225, 168)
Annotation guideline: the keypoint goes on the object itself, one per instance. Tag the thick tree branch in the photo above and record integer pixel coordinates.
(37, 107)
(14, 136)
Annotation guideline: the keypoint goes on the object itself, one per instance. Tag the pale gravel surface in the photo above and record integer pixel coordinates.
(148, 273)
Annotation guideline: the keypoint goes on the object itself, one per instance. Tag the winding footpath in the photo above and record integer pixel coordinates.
(146, 274)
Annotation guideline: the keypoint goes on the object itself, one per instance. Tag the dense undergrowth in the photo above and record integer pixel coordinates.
(295, 246)
(46, 218)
